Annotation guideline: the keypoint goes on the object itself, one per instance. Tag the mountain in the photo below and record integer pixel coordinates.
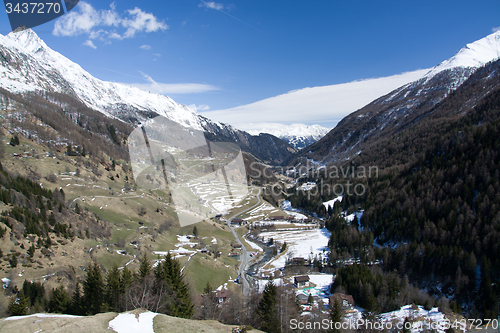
(404, 106)
(27, 64)
(298, 135)
(265, 147)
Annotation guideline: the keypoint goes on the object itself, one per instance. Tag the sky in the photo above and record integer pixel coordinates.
(219, 57)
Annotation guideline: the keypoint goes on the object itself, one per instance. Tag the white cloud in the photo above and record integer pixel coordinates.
(77, 22)
(211, 5)
(198, 108)
(89, 43)
(324, 105)
(145, 47)
(96, 23)
(172, 88)
(141, 21)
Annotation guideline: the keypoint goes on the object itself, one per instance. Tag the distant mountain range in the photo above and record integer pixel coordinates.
(403, 107)
(27, 64)
(298, 135)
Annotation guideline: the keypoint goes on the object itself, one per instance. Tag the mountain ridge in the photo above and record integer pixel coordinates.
(298, 135)
(27, 64)
(402, 107)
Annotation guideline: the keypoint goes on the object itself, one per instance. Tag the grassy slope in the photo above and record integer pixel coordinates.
(99, 323)
(104, 197)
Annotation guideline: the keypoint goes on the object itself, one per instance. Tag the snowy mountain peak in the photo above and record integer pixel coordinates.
(28, 40)
(475, 54)
(298, 135)
(28, 64)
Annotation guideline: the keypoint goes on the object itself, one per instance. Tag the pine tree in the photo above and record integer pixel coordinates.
(113, 287)
(180, 303)
(69, 150)
(93, 289)
(59, 301)
(2, 148)
(267, 309)
(208, 289)
(145, 267)
(14, 141)
(13, 261)
(76, 305)
(126, 280)
(195, 231)
(406, 326)
(19, 305)
(31, 250)
(336, 315)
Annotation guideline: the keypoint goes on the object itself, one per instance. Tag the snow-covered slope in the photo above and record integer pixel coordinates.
(474, 55)
(298, 135)
(404, 106)
(28, 64)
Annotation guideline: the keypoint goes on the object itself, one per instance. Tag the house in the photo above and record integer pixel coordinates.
(234, 255)
(301, 281)
(291, 218)
(218, 216)
(277, 217)
(237, 221)
(298, 261)
(222, 296)
(302, 299)
(346, 301)
(237, 246)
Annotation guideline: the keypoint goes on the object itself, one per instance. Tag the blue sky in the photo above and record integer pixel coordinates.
(224, 54)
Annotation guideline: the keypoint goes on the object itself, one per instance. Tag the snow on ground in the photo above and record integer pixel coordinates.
(261, 210)
(253, 245)
(331, 203)
(298, 216)
(262, 284)
(307, 186)
(286, 205)
(349, 218)
(432, 319)
(322, 286)
(321, 280)
(182, 239)
(300, 243)
(222, 287)
(42, 315)
(214, 241)
(421, 320)
(128, 323)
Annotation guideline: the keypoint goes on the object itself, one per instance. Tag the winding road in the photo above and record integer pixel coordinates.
(245, 258)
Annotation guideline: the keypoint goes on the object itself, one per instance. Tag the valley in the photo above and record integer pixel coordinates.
(113, 199)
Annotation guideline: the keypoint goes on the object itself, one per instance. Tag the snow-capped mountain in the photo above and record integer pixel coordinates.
(28, 64)
(298, 135)
(404, 106)
(472, 55)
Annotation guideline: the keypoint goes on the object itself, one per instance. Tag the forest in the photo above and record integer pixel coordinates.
(431, 217)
